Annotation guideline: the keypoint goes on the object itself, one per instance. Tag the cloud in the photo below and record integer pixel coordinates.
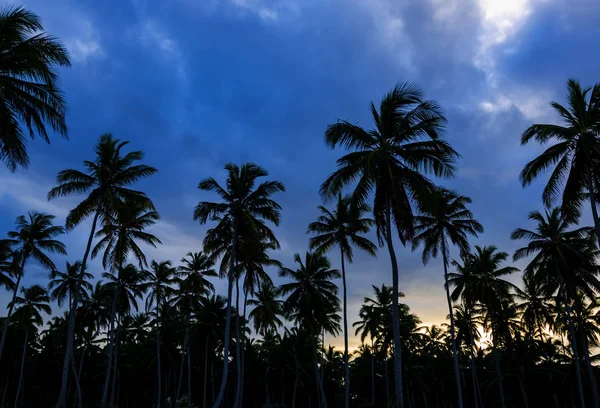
(84, 44)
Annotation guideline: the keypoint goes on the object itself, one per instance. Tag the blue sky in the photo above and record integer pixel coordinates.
(197, 84)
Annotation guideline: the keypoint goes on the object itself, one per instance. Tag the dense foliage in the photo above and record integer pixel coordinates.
(153, 333)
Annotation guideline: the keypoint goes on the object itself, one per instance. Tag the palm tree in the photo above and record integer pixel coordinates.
(29, 94)
(562, 263)
(193, 285)
(268, 309)
(312, 300)
(34, 235)
(32, 301)
(63, 284)
(575, 156)
(126, 286)
(534, 307)
(445, 217)
(160, 278)
(342, 228)
(243, 208)
(8, 265)
(479, 281)
(388, 161)
(105, 182)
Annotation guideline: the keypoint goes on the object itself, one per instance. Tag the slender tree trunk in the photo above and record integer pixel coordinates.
(205, 372)
(320, 388)
(243, 351)
(523, 392)
(22, 366)
(345, 318)
(238, 358)
(588, 363)
(158, 367)
(575, 351)
(592, 192)
(473, 364)
(387, 382)
(372, 374)
(11, 305)
(77, 384)
(212, 379)
(395, 312)
(71, 331)
(5, 392)
(189, 368)
(295, 391)
(227, 320)
(183, 354)
(110, 345)
(267, 396)
(452, 330)
(113, 393)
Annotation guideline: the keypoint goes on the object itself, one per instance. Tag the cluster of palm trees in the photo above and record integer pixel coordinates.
(109, 353)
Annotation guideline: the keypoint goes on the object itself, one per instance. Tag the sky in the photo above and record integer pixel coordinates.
(200, 83)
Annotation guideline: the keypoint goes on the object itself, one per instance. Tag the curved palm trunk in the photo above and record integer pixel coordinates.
(395, 312)
(238, 358)
(62, 398)
(452, 330)
(110, 345)
(205, 372)
(12, 304)
(345, 317)
(575, 351)
(317, 374)
(77, 384)
(22, 367)
(227, 336)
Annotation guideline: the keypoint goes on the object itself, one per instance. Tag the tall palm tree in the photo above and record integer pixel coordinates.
(388, 161)
(562, 263)
(126, 284)
(244, 207)
(445, 217)
(34, 235)
(575, 156)
(193, 285)
(161, 277)
(479, 280)
(32, 301)
(312, 300)
(106, 181)
(342, 228)
(29, 91)
(63, 284)
(125, 225)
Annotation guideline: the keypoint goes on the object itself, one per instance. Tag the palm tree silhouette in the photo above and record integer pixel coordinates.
(34, 235)
(312, 300)
(342, 228)
(30, 96)
(387, 161)
(106, 182)
(444, 217)
(244, 208)
(32, 301)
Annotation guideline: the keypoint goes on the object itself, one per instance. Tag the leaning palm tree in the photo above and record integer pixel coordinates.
(106, 181)
(445, 217)
(193, 285)
(312, 300)
(63, 284)
(32, 301)
(161, 277)
(575, 156)
(34, 235)
(244, 207)
(29, 93)
(564, 263)
(343, 227)
(388, 161)
(119, 237)
(479, 280)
